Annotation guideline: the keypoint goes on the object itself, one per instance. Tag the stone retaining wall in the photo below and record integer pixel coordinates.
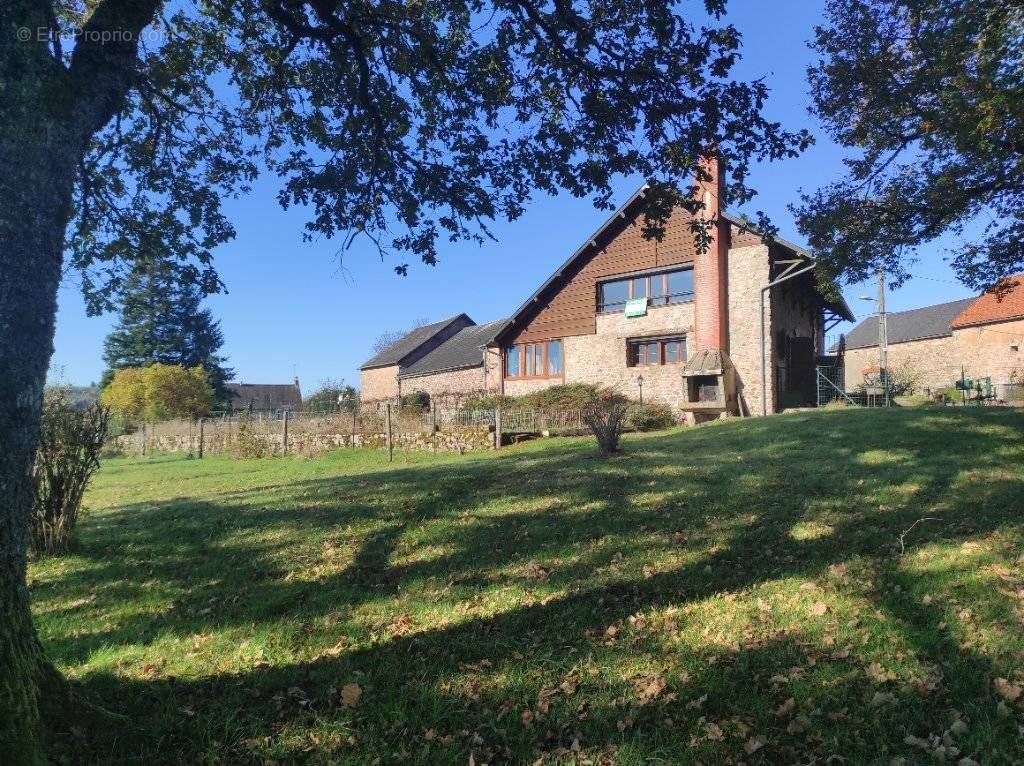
(448, 439)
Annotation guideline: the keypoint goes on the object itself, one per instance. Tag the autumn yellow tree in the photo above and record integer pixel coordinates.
(159, 392)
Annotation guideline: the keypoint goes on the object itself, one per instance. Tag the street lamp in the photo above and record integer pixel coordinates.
(640, 383)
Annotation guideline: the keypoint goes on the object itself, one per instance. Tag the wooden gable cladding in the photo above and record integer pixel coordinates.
(569, 305)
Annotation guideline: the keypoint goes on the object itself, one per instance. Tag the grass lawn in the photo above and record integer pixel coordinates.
(731, 593)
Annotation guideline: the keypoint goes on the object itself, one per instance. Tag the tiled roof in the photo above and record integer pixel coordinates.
(408, 343)
(265, 396)
(916, 324)
(997, 306)
(463, 350)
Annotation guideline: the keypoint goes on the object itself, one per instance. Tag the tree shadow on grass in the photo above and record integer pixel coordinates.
(728, 499)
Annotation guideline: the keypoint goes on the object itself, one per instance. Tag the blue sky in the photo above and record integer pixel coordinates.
(296, 308)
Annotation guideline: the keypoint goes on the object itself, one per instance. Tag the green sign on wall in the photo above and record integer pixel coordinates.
(636, 307)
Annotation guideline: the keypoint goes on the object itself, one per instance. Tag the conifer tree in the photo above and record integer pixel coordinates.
(163, 322)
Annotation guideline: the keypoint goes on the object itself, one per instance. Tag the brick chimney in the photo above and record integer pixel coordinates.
(710, 267)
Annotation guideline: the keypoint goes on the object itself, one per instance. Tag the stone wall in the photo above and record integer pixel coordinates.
(450, 438)
(380, 383)
(748, 273)
(448, 389)
(984, 351)
(993, 350)
(601, 359)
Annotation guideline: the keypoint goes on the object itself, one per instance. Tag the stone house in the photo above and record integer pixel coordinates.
(634, 313)
(978, 337)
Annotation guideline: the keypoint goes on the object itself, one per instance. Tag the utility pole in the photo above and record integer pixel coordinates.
(883, 336)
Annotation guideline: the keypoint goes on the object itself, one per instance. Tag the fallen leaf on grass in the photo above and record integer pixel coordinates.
(1007, 690)
(879, 674)
(754, 744)
(786, 708)
(650, 689)
(714, 732)
(350, 694)
(882, 698)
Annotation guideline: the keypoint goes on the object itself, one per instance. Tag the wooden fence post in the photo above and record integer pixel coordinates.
(142, 445)
(200, 450)
(497, 428)
(390, 443)
(352, 443)
(284, 435)
(433, 427)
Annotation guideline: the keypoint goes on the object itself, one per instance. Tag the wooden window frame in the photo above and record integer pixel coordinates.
(665, 299)
(636, 349)
(539, 353)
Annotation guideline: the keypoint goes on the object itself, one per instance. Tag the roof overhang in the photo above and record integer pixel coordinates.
(982, 323)
(839, 307)
(590, 242)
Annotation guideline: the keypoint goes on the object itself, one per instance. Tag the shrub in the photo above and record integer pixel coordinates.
(904, 378)
(70, 442)
(605, 416)
(417, 401)
(649, 417)
(577, 396)
(332, 396)
(489, 402)
(247, 445)
(158, 392)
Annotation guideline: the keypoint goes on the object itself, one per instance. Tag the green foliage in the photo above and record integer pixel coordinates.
(416, 401)
(70, 441)
(575, 396)
(158, 392)
(431, 120)
(332, 396)
(162, 321)
(928, 94)
(904, 378)
(247, 445)
(489, 402)
(649, 416)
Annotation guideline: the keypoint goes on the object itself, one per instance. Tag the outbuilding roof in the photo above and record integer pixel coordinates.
(263, 397)
(916, 324)
(462, 351)
(408, 343)
(1002, 304)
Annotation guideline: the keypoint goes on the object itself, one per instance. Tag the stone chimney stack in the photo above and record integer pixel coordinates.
(710, 268)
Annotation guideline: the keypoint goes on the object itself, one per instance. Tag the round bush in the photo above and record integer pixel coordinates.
(651, 416)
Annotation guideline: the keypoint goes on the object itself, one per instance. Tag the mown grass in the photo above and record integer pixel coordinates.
(732, 593)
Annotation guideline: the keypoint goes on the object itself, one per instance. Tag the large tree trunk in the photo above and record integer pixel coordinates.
(37, 166)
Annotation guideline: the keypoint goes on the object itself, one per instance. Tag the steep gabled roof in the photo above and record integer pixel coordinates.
(840, 307)
(998, 306)
(408, 343)
(591, 241)
(463, 350)
(902, 326)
